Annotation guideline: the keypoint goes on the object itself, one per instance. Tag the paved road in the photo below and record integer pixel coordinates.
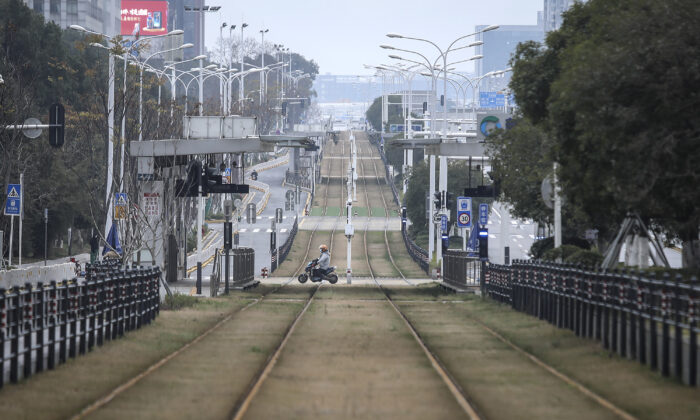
(254, 235)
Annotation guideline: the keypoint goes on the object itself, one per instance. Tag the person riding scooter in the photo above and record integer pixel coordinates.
(324, 261)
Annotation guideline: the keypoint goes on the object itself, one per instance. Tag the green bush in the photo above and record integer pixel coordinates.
(563, 252)
(538, 248)
(589, 257)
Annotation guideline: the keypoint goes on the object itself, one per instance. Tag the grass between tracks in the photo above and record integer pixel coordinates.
(352, 359)
(504, 384)
(64, 391)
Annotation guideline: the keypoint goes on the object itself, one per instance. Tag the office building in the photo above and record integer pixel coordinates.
(101, 16)
(498, 48)
(553, 10)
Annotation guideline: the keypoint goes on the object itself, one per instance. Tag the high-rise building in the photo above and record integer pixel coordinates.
(101, 16)
(553, 10)
(499, 46)
(190, 22)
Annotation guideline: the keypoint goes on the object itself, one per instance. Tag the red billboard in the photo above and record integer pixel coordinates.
(144, 18)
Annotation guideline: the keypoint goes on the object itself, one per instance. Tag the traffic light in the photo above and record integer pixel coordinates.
(190, 186)
(483, 243)
(284, 108)
(437, 199)
(442, 100)
(57, 122)
(449, 199)
(212, 183)
(210, 178)
(425, 107)
(484, 191)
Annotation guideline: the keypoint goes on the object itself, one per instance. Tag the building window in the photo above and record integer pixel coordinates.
(55, 7)
(39, 6)
(72, 7)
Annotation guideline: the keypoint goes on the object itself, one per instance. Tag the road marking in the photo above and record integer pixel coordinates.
(243, 230)
(283, 230)
(256, 230)
(269, 231)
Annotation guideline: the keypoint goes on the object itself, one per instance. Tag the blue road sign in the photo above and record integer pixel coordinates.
(491, 99)
(443, 223)
(14, 200)
(483, 213)
(464, 212)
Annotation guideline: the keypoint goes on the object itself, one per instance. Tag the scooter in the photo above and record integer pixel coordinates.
(309, 273)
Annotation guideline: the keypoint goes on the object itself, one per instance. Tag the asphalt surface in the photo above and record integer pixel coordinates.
(255, 235)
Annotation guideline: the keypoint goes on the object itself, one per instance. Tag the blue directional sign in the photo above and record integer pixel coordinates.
(443, 223)
(483, 214)
(464, 212)
(14, 200)
(491, 99)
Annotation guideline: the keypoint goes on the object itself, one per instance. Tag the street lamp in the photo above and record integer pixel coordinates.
(110, 117)
(262, 64)
(431, 66)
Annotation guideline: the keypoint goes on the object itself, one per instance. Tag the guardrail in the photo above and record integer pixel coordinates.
(418, 254)
(292, 178)
(242, 270)
(45, 325)
(461, 269)
(630, 312)
(285, 248)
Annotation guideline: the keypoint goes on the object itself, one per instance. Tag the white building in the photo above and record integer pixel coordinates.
(101, 16)
(553, 10)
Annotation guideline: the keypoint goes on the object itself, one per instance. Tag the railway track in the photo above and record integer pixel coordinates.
(241, 406)
(104, 400)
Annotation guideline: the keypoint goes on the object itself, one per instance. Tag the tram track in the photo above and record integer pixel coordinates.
(131, 382)
(243, 403)
(451, 383)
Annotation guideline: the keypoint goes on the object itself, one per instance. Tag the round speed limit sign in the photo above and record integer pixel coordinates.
(464, 218)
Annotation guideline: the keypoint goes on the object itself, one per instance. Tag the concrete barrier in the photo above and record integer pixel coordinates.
(34, 275)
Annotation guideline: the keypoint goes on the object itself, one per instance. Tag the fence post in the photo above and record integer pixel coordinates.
(665, 333)
(692, 315)
(678, 332)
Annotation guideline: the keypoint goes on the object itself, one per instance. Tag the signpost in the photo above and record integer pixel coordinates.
(464, 212)
(483, 214)
(464, 217)
(13, 207)
(120, 205)
(14, 196)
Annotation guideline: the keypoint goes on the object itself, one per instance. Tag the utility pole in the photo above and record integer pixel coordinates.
(46, 234)
(349, 230)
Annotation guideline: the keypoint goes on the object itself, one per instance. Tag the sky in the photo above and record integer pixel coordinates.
(341, 36)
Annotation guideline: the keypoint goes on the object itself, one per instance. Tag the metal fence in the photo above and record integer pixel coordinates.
(418, 254)
(243, 266)
(294, 178)
(640, 317)
(285, 248)
(461, 269)
(43, 326)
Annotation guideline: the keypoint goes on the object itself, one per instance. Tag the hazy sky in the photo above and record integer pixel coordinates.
(341, 36)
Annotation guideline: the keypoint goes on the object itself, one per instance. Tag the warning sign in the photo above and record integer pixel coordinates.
(120, 206)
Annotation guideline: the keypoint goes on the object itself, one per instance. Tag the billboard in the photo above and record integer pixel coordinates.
(144, 18)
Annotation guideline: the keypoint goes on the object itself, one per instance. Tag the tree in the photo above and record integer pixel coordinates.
(614, 93)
